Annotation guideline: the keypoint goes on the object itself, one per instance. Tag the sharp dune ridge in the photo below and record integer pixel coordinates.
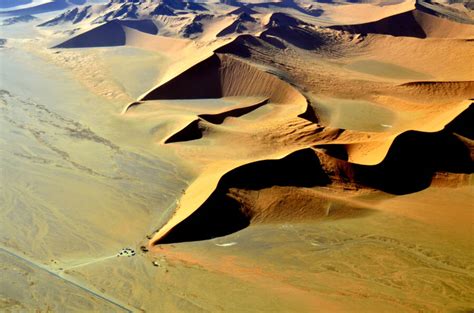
(413, 23)
(373, 151)
(236, 66)
(359, 158)
(407, 166)
(195, 129)
(463, 89)
(302, 151)
(247, 194)
(226, 76)
(113, 33)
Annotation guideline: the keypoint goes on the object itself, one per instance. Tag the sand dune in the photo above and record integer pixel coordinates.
(249, 194)
(109, 34)
(413, 23)
(262, 192)
(408, 166)
(226, 76)
(73, 16)
(242, 23)
(408, 151)
(353, 159)
(319, 169)
(36, 7)
(461, 89)
(195, 129)
(390, 153)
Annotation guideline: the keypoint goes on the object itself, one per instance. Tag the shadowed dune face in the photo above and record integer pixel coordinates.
(221, 215)
(411, 162)
(110, 34)
(375, 158)
(413, 23)
(462, 125)
(282, 29)
(355, 210)
(298, 37)
(414, 158)
(404, 24)
(224, 76)
(192, 131)
(145, 26)
(195, 129)
(220, 117)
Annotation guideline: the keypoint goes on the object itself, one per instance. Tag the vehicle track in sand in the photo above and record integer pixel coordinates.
(59, 275)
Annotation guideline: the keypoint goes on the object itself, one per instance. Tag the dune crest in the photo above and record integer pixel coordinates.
(361, 157)
(396, 153)
(248, 190)
(413, 23)
(245, 54)
(113, 33)
(226, 76)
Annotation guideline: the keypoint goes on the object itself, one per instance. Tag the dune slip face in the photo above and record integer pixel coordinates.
(364, 156)
(236, 156)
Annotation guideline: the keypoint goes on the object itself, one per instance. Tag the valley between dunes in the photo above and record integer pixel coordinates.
(258, 156)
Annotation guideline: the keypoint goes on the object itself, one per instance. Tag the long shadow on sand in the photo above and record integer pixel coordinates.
(414, 158)
(409, 166)
(220, 215)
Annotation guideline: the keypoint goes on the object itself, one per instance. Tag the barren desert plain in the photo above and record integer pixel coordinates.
(236, 156)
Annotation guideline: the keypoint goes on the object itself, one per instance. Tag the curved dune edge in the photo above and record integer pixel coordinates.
(203, 187)
(247, 194)
(199, 191)
(373, 152)
(223, 71)
(113, 33)
(226, 76)
(463, 89)
(413, 23)
(194, 130)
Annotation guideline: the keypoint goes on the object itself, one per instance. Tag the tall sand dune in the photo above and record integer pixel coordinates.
(113, 33)
(364, 159)
(36, 7)
(349, 158)
(461, 89)
(106, 35)
(346, 159)
(413, 23)
(226, 76)
(265, 190)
